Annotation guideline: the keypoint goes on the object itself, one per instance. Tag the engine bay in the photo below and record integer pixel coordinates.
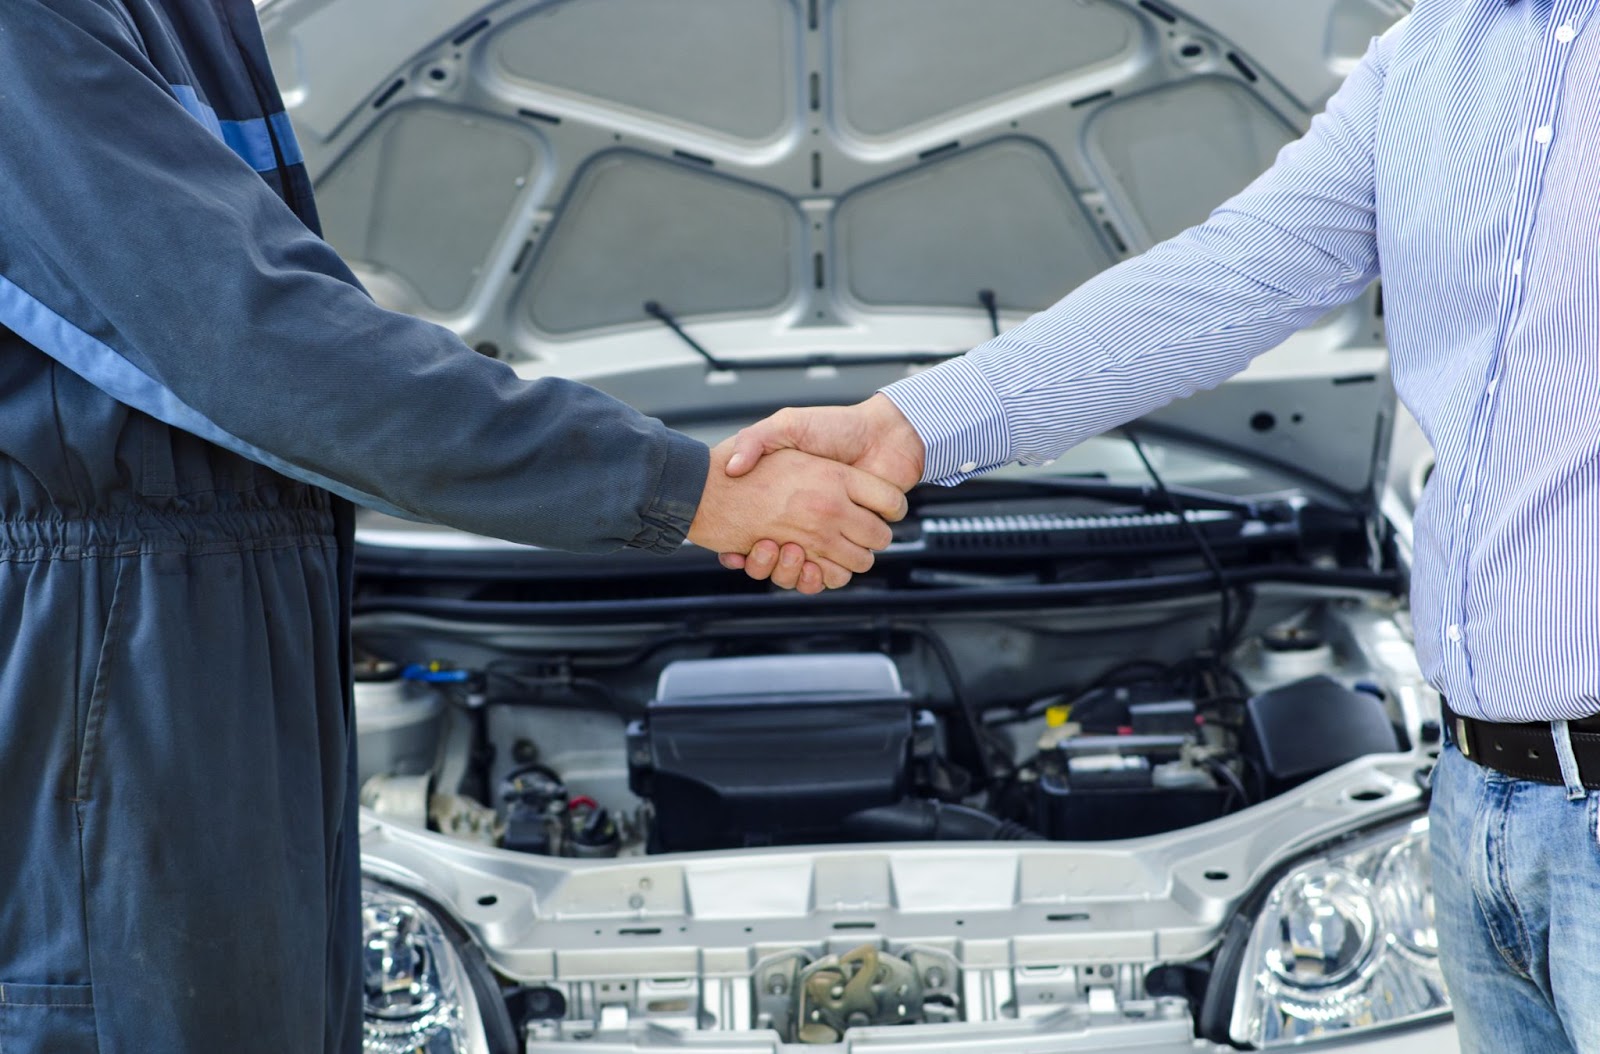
(904, 731)
(773, 815)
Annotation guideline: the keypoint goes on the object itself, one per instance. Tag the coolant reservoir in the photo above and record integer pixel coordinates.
(397, 727)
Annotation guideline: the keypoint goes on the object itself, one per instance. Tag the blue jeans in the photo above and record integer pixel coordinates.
(1516, 873)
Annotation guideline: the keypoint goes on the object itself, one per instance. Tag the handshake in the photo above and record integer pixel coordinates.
(805, 498)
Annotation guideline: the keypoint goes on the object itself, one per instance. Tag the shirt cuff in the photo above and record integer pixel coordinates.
(959, 417)
(665, 521)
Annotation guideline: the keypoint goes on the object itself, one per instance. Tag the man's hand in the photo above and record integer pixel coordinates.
(873, 436)
(832, 513)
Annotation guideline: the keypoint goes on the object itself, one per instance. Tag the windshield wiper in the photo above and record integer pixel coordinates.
(991, 305)
(794, 362)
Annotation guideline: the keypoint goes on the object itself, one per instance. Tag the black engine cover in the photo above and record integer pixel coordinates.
(775, 750)
(1310, 726)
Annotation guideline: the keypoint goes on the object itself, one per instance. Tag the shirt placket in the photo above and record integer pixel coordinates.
(1538, 132)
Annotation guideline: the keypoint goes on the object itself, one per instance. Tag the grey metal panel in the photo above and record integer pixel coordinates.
(1295, 422)
(373, 201)
(330, 57)
(637, 228)
(1293, 42)
(904, 62)
(840, 121)
(998, 217)
(739, 79)
(827, 113)
(1353, 24)
(1172, 155)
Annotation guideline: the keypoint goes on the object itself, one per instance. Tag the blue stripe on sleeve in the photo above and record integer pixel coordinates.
(100, 365)
(252, 140)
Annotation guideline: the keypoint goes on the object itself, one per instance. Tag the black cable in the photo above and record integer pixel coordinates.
(1224, 593)
(1257, 775)
(1231, 778)
(1119, 674)
(542, 680)
(1247, 601)
(970, 717)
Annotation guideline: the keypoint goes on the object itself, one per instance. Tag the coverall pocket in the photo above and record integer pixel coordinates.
(100, 688)
(47, 1019)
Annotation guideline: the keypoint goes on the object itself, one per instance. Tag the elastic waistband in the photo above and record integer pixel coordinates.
(142, 530)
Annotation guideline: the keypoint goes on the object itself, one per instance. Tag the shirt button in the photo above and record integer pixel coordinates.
(1452, 633)
(1543, 134)
(969, 466)
(1493, 384)
(1565, 34)
(1466, 510)
(1516, 268)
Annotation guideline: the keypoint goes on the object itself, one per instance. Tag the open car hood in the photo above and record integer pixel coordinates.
(839, 179)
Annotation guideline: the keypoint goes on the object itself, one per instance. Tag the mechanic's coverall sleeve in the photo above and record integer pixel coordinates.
(143, 254)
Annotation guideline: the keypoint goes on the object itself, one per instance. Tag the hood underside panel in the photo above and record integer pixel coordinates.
(794, 176)
(774, 157)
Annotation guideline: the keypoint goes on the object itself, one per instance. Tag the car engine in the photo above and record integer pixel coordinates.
(829, 746)
(810, 823)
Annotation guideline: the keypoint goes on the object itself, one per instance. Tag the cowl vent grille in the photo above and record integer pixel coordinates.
(1035, 531)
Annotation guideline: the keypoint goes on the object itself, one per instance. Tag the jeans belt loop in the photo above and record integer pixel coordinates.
(1569, 761)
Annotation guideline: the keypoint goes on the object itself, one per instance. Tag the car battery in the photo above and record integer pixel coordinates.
(1095, 788)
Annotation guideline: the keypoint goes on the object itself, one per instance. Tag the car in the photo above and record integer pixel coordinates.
(1126, 752)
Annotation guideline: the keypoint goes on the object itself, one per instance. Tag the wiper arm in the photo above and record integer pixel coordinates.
(656, 311)
(1145, 495)
(990, 304)
(794, 362)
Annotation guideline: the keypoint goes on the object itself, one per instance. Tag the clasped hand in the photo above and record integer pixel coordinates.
(805, 498)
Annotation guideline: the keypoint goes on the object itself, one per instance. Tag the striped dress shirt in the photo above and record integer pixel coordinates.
(1461, 159)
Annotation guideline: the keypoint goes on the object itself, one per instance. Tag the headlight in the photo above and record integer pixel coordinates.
(417, 997)
(1345, 941)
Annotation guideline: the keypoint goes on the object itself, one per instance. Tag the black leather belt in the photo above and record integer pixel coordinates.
(1527, 751)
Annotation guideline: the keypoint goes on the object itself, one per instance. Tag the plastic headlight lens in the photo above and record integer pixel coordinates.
(417, 998)
(1344, 942)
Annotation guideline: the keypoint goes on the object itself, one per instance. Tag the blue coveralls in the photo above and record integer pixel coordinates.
(191, 383)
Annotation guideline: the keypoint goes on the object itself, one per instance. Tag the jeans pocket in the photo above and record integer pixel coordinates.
(47, 1019)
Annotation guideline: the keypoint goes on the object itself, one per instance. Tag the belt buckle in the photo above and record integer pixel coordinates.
(1461, 737)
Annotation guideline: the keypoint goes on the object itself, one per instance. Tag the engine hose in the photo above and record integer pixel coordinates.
(917, 820)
